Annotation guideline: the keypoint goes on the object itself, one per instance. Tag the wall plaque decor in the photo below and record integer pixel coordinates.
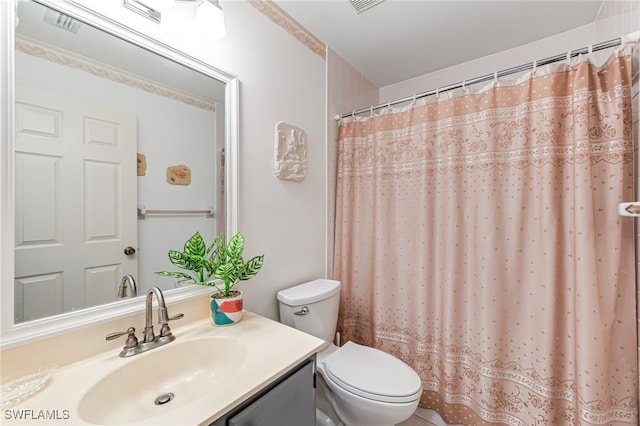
(142, 164)
(290, 152)
(179, 175)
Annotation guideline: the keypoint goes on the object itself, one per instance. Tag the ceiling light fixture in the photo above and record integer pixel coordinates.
(210, 19)
(143, 9)
(161, 5)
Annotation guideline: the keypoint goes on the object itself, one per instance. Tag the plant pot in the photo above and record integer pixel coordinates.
(226, 310)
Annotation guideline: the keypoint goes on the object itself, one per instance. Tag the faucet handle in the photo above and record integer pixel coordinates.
(176, 316)
(165, 331)
(132, 340)
(163, 316)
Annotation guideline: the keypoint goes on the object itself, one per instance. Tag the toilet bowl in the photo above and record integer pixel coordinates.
(357, 385)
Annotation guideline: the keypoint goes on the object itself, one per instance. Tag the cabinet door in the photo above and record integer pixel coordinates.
(289, 403)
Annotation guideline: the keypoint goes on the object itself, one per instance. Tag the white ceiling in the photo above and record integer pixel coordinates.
(400, 39)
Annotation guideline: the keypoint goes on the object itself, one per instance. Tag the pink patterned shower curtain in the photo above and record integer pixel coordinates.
(477, 239)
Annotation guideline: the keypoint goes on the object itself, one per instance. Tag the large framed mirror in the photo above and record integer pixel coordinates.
(118, 149)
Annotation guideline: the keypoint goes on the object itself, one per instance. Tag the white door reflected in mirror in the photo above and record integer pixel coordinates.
(75, 209)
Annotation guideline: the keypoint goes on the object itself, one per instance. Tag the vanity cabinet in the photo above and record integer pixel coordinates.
(288, 401)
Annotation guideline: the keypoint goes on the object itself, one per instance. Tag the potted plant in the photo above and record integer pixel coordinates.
(220, 261)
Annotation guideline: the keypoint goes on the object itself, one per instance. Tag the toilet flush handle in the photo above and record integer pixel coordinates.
(303, 311)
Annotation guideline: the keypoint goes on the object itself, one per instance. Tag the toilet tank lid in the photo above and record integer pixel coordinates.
(309, 292)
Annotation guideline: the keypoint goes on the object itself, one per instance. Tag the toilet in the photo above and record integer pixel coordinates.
(356, 385)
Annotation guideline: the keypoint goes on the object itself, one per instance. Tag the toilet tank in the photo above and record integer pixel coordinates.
(312, 307)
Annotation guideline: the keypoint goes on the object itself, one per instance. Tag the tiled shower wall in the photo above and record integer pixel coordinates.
(347, 90)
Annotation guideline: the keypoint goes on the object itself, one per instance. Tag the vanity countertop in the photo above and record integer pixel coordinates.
(271, 350)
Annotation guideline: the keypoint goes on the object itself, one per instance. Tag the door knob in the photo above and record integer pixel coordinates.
(129, 251)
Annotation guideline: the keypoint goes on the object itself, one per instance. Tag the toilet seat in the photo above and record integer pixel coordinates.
(372, 374)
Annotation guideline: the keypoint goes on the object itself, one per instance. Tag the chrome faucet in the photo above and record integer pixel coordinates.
(163, 317)
(132, 346)
(127, 280)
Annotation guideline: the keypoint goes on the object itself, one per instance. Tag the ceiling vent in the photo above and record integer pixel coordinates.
(362, 5)
(61, 20)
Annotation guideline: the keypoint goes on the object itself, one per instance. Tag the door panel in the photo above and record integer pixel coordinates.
(36, 198)
(76, 203)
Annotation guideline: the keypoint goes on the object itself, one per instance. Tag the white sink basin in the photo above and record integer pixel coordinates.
(211, 370)
(188, 370)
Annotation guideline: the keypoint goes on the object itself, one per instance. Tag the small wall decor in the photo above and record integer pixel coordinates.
(179, 175)
(290, 152)
(142, 164)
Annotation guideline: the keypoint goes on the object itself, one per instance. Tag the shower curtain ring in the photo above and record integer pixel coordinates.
(437, 93)
(568, 55)
(535, 65)
(464, 85)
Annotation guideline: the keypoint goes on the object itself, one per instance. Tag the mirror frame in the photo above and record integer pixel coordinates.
(16, 334)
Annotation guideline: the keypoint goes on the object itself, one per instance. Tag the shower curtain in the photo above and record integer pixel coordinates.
(477, 239)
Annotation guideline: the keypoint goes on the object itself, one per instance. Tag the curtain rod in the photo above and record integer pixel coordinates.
(629, 38)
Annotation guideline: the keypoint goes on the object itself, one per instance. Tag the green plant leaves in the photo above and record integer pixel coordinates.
(221, 253)
(235, 247)
(178, 275)
(179, 259)
(217, 240)
(252, 268)
(223, 270)
(195, 245)
(219, 260)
